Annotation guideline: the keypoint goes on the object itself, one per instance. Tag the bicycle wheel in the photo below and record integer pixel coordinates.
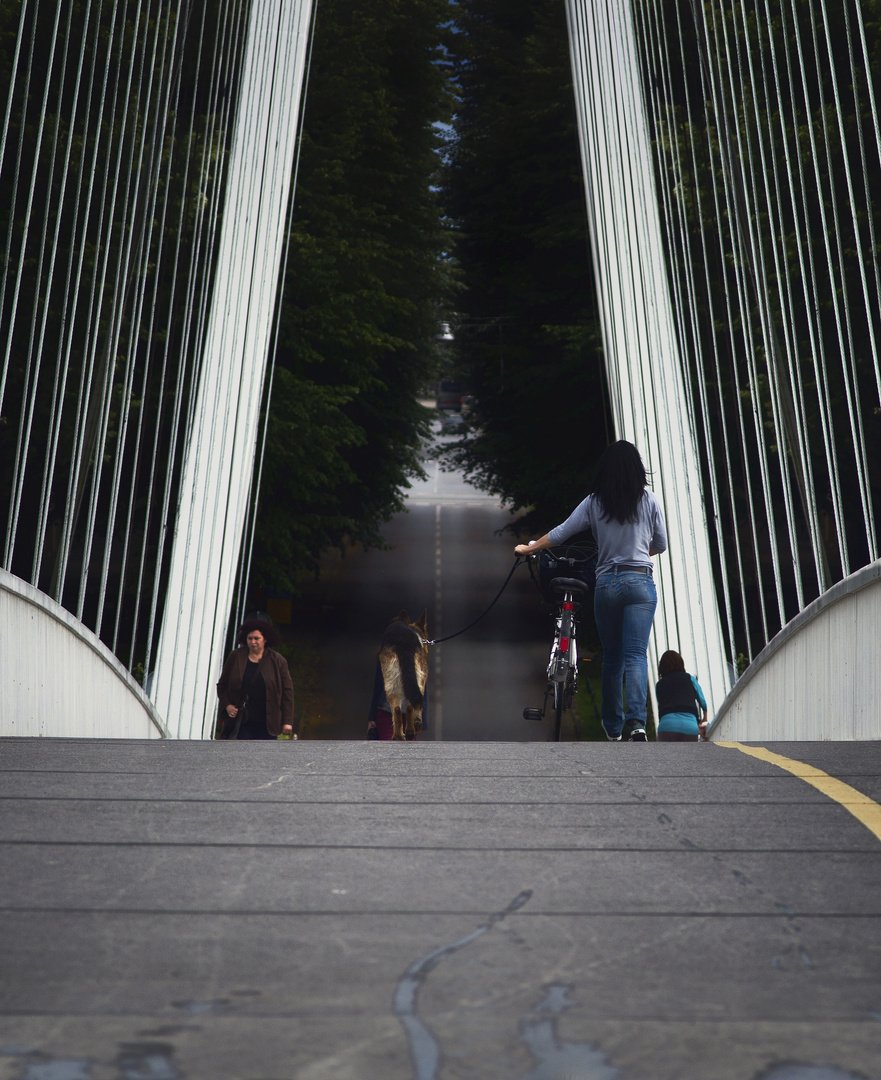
(559, 708)
(563, 675)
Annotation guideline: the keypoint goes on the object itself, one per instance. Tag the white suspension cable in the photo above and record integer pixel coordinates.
(125, 201)
(155, 221)
(798, 440)
(654, 44)
(692, 276)
(873, 307)
(13, 82)
(732, 313)
(29, 386)
(67, 306)
(10, 228)
(76, 483)
(95, 400)
(129, 203)
(760, 193)
(798, 187)
(748, 274)
(228, 58)
(856, 412)
(136, 269)
(830, 266)
(44, 279)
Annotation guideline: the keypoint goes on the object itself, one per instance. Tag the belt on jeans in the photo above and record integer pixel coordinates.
(620, 568)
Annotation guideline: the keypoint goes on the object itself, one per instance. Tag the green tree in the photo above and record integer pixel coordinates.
(526, 332)
(365, 284)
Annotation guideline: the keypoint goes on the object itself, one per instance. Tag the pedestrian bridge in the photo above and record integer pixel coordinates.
(817, 679)
(738, 295)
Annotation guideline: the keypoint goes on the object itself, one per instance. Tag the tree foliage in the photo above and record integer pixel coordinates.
(364, 287)
(526, 333)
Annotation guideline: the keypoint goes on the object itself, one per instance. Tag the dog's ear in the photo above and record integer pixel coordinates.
(403, 617)
(423, 622)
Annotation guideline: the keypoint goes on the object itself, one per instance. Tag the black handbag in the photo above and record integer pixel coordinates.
(229, 726)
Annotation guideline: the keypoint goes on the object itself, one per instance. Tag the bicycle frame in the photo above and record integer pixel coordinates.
(563, 662)
(562, 671)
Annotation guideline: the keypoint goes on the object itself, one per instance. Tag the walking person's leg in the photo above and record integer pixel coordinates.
(608, 615)
(637, 617)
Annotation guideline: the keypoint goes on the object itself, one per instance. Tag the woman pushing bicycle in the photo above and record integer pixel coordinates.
(627, 523)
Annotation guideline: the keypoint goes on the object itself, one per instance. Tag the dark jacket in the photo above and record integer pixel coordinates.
(675, 693)
(279, 687)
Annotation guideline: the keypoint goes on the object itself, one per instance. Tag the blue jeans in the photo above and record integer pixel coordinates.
(624, 607)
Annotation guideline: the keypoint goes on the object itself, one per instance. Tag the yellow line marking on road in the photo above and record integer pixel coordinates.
(863, 808)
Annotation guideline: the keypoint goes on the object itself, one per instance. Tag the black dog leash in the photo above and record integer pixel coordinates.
(437, 641)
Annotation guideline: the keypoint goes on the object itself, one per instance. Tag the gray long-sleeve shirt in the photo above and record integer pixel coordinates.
(617, 544)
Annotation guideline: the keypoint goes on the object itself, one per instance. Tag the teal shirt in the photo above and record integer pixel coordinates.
(684, 723)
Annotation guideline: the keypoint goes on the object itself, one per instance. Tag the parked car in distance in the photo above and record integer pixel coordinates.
(452, 423)
(449, 394)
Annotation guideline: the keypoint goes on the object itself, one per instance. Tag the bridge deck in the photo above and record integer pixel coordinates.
(357, 911)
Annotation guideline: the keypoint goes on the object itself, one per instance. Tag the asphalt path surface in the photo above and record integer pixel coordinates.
(345, 910)
(445, 556)
(481, 904)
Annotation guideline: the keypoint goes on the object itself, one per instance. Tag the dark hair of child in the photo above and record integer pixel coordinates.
(670, 662)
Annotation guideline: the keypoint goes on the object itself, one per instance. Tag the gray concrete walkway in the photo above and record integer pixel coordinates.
(435, 911)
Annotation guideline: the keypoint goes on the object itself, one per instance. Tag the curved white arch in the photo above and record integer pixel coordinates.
(819, 678)
(59, 679)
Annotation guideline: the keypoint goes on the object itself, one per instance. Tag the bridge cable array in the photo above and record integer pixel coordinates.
(122, 217)
(765, 168)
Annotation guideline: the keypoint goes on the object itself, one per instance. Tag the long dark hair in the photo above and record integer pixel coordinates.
(619, 481)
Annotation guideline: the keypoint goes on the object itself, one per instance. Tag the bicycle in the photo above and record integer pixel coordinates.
(567, 580)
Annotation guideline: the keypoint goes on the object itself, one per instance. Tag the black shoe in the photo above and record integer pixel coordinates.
(637, 734)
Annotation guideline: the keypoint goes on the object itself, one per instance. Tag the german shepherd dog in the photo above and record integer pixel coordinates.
(403, 657)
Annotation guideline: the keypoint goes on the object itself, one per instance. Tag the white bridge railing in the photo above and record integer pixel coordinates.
(59, 679)
(819, 678)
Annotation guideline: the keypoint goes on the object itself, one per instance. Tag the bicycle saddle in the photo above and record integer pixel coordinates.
(561, 585)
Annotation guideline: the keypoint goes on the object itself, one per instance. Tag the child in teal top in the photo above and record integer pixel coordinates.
(680, 702)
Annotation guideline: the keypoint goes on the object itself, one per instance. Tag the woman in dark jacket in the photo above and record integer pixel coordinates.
(258, 676)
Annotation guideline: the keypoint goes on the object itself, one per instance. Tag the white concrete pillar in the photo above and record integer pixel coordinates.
(639, 334)
(220, 452)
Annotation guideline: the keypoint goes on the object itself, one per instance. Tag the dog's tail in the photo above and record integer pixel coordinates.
(407, 662)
